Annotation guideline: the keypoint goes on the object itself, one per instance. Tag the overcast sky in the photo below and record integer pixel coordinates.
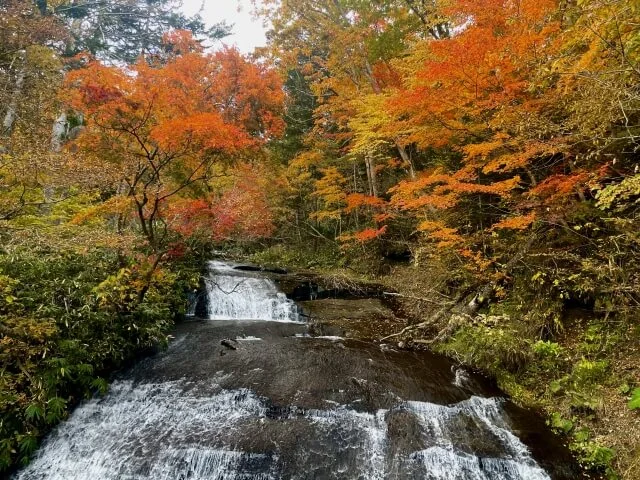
(247, 34)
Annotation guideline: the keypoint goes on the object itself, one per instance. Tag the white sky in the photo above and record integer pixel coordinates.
(247, 32)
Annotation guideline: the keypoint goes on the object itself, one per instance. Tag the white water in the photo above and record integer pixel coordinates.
(445, 461)
(174, 430)
(235, 295)
(151, 431)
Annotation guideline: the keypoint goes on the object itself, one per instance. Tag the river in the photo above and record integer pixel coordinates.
(248, 393)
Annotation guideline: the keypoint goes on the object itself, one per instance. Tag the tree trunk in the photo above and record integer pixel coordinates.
(58, 132)
(406, 158)
(12, 108)
(371, 175)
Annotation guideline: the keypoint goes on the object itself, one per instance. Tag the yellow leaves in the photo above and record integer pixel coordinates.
(117, 205)
(620, 196)
(591, 56)
(44, 61)
(368, 123)
(481, 150)
(329, 187)
(325, 215)
(22, 330)
(330, 190)
(430, 226)
(306, 160)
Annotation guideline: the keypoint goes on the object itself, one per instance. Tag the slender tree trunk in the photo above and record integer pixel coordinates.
(12, 108)
(580, 193)
(406, 158)
(371, 175)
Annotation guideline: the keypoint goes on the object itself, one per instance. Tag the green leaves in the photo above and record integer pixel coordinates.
(622, 196)
(101, 385)
(34, 412)
(56, 408)
(28, 445)
(57, 339)
(558, 422)
(634, 403)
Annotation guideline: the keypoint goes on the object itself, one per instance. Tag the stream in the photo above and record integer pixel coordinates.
(249, 393)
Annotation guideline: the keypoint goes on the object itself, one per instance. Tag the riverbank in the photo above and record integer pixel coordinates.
(580, 374)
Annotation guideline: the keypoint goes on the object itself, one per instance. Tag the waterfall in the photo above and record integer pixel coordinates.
(234, 295)
(284, 405)
(171, 430)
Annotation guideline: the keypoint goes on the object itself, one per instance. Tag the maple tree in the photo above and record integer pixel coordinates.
(159, 130)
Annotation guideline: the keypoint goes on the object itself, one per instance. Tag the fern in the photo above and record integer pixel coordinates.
(34, 412)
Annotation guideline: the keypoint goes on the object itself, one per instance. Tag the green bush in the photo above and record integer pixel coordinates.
(593, 455)
(588, 372)
(491, 348)
(634, 403)
(66, 323)
(547, 350)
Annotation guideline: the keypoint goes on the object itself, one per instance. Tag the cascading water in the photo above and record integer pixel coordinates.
(283, 405)
(239, 295)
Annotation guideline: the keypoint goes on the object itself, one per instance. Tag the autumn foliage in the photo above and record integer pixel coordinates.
(166, 128)
(493, 142)
(464, 118)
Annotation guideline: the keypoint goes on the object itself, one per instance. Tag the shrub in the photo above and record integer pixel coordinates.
(490, 348)
(66, 323)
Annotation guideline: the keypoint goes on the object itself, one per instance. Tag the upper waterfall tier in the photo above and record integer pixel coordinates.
(236, 295)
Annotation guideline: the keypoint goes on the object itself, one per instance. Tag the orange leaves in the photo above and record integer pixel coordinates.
(181, 42)
(444, 236)
(248, 94)
(442, 191)
(558, 188)
(217, 100)
(364, 236)
(208, 130)
(96, 86)
(369, 234)
(169, 127)
(521, 222)
(450, 91)
(240, 212)
(358, 200)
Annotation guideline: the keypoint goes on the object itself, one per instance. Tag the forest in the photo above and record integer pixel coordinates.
(478, 157)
